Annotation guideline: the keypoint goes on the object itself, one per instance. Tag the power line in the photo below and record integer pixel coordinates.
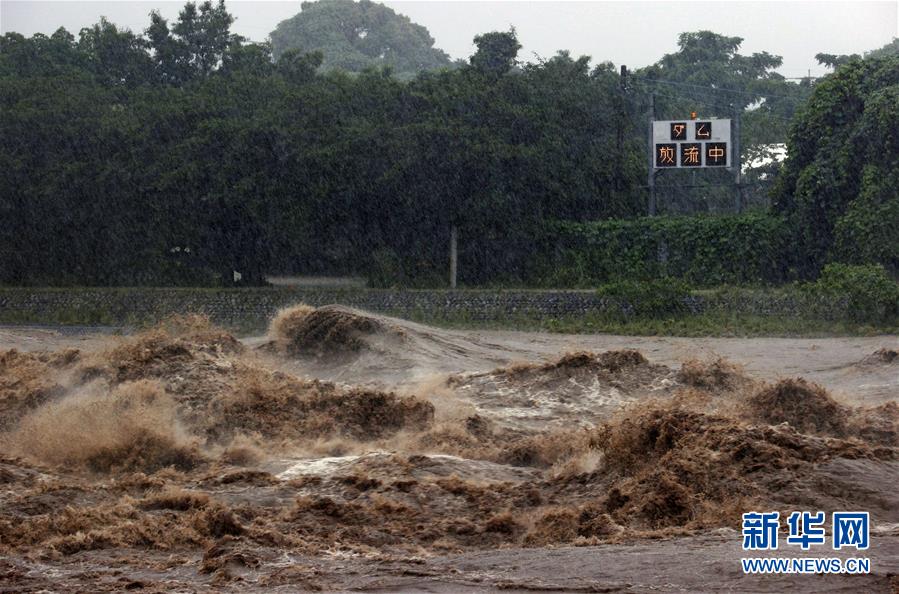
(707, 88)
(713, 104)
(718, 105)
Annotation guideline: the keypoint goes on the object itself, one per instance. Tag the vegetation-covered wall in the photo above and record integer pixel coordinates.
(704, 251)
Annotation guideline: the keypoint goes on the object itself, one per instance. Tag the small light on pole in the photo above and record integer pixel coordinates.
(692, 115)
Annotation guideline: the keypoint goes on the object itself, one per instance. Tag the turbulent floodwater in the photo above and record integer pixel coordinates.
(345, 450)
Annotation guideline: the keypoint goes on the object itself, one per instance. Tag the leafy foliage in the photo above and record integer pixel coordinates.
(702, 250)
(872, 295)
(837, 60)
(890, 49)
(185, 154)
(195, 45)
(354, 36)
(842, 174)
(496, 53)
(219, 160)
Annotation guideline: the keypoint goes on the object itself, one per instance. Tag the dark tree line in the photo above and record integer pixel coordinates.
(185, 154)
(840, 186)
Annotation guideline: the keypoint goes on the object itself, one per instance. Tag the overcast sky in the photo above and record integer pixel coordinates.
(632, 33)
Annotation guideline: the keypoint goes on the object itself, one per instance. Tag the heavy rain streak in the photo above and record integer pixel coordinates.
(323, 307)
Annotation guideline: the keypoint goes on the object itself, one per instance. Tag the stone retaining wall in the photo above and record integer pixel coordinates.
(253, 307)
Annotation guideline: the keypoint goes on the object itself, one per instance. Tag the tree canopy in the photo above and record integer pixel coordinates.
(837, 60)
(840, 182)
(192, 154)
(708, 75)
(354, 36)
(185, 153)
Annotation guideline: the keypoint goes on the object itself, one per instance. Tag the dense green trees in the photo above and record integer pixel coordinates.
(840, 185)
(190, 155)
(186, 154)
(837, 60)
(354, 36)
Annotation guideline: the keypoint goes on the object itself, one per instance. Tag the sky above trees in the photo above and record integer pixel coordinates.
(795, 30)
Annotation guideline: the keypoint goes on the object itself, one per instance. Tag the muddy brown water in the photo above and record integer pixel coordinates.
(411, 513)
(689, 564)
(831, 361)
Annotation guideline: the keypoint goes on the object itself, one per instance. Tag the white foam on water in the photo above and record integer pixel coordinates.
(318, 466)
(333, 464)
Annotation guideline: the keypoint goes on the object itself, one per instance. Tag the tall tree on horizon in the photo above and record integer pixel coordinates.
(195, 46)
(353, 36)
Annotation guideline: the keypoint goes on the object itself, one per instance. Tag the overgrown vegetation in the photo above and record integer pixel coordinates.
(187, 156)
(190, 154)
(871, 295)
(702, 250)
(662, 298)
(839, 186)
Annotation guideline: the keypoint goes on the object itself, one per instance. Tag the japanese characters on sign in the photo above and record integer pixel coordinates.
(716, 154)
(691, 154)
(703, 130)
(666, 155)
(691, 143)
(678, 130)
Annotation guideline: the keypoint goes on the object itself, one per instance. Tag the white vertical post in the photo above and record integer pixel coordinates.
(454, 240)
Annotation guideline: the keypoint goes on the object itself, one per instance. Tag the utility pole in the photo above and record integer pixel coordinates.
(651, 181)
(622, 118)
(454, 240)
(737, 160)
(622, 87)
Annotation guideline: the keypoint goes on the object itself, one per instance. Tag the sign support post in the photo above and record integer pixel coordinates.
(651, 181)
(738, 162)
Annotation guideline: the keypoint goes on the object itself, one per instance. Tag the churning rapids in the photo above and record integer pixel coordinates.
(350, 451)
